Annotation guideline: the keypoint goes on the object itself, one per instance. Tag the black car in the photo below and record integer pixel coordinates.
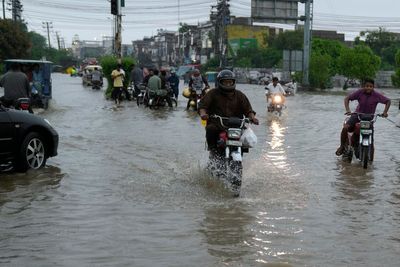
(26, 140)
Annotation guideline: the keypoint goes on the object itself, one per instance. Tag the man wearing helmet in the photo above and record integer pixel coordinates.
(196, 85)
(224, 101)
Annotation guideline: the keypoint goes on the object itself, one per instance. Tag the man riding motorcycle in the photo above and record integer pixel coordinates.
(196, 85)
(156, 90)
(367, 99)
(16, 85)
(224, 101)
(273, 89)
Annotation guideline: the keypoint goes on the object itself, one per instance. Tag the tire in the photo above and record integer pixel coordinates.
(174, 102)
(364, 156)
(32, 154)
(347, 155)
(235, 176)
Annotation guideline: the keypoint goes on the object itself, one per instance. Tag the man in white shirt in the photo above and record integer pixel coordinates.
(273, 89)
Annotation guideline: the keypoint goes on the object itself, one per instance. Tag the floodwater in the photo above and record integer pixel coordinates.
(128, 188)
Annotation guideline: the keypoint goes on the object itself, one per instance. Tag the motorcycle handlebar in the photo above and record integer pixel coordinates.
(244, 120)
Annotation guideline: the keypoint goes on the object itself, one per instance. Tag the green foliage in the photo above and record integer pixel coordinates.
(288, 40)
(396, 76)
(383, 43)
(258, 57)
(211, 65)
(320, 71)
(358, 63)
(14, 40)
(331, 48)
(109, 63)
(39, 45)
(1, 68)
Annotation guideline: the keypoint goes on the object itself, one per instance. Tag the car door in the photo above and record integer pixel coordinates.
(6, 134)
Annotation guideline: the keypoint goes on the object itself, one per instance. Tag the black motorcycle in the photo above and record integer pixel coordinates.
(226, 160)
(156, 101)
(361, 141)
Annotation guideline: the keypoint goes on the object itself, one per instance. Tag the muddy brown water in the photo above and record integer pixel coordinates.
(128, 188)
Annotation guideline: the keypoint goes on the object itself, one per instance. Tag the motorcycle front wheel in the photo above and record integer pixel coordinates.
(364, 156)
(235, 176)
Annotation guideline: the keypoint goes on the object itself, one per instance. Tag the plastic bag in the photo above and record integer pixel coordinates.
(248, 138)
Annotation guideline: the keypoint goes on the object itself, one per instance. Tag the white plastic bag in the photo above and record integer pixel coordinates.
(248, 138)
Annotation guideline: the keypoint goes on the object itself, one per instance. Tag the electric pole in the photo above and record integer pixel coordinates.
(116, 11)
(58, 41)
(16, 10)
(47, 25)
(221, 35)
(4, 9)
(307, 41)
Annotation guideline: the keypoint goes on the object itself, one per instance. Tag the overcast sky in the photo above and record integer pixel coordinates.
(91, 19)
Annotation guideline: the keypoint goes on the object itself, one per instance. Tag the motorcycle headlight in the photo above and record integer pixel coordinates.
(277, 99)
(234, 133)
(365, 124)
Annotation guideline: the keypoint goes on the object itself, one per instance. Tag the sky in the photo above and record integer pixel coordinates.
(91, 19)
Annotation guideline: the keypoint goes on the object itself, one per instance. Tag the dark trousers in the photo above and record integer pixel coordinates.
(117, 91)
(212, 135)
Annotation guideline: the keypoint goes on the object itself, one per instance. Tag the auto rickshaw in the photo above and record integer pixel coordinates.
(39, 76)
(87, 74)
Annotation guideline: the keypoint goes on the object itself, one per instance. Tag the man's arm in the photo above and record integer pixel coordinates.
(387, 106)
(205, 81)
(347, 104)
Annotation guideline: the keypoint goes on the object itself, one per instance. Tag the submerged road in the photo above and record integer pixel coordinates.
(128, 188)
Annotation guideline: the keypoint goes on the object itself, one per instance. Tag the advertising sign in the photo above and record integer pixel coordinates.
(275, 11)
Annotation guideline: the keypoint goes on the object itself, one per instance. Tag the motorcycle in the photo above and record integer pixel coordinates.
(290, 89)
(226, 160)
(277, 104)
(143, 97)
(23, 104)
(361, 141)
(155, 101)
(96, 85)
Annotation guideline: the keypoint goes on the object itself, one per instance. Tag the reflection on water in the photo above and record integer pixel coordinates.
(275, 151)
(27, 186)
(353, 181)
(227, 233)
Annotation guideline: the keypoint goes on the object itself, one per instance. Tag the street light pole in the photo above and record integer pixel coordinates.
(307, 43)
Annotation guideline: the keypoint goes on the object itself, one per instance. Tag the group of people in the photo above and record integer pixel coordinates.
(158, 82)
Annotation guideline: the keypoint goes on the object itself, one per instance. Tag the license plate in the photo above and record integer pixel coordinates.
(366, 131)
(233, 143)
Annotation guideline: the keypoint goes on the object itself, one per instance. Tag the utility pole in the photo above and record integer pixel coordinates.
(116, 11)
(16, 10)
(307, 41)
(58, 41)
(4, 9)
(47, 25)
(222, 20)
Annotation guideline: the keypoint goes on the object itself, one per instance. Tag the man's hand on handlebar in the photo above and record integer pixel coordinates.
(204, 117)
(255, 121)
(385, 115)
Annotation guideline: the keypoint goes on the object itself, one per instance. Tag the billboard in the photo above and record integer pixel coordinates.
(246, 36)
(275, 11)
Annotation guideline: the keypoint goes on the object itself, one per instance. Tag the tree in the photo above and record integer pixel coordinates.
(14, 41)
(288, 40)
(320, 70)
(396, 76)
(329, 47)
(383, 43)
(358, 63)
(38, 48)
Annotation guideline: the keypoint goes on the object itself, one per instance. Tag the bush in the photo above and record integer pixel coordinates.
(109, 63)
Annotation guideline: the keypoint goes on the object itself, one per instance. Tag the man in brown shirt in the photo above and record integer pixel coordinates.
(224, 101)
